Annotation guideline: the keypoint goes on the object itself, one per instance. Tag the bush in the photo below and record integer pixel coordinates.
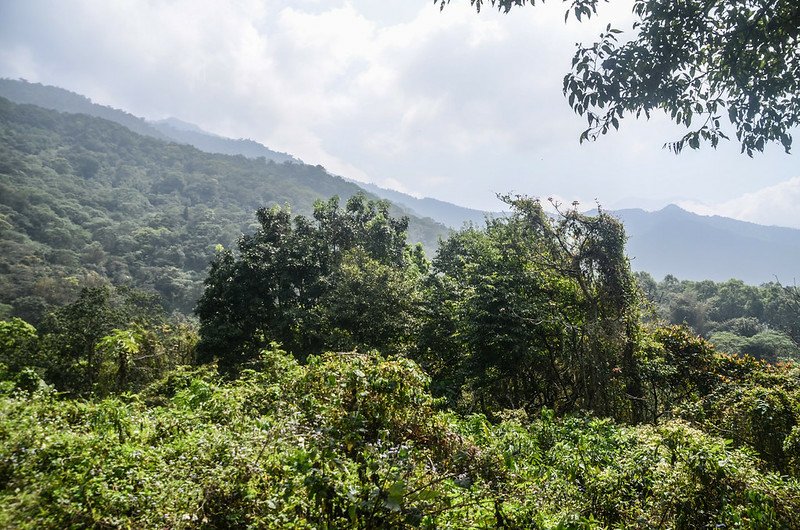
(356, 441)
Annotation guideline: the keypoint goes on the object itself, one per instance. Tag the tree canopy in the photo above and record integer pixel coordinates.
(344, 279)
(523, 359)
(534, 311)
(714, 66)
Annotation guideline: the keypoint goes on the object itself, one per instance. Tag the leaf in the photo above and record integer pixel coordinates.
(395, 495)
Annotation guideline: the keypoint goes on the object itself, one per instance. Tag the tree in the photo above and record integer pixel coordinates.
(342, 280)
(699, 61)
(534, 312)
(18, 345)
(73, 337)
(369, 304)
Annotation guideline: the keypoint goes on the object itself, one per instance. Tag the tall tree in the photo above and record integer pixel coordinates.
(536, 312)
(344, 279)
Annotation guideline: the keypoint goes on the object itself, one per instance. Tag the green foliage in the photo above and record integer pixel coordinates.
(108, 341)
(676, 367)
(369, 304)
(769, 345)
(754, 404)
(18, 344)
(356, 441)
(533, 312)
(699, 61)
(345, 279)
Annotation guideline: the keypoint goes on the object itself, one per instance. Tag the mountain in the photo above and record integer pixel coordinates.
(85, 201)
(668, 241)
(697, 247)
(446, 213)
(187, 133)
(50, 97)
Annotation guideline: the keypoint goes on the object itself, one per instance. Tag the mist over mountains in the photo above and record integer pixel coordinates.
(171, 129)
(697, 247)
(667, 241)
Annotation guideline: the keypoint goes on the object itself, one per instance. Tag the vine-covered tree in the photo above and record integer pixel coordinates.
(534, 312)
(702, 62)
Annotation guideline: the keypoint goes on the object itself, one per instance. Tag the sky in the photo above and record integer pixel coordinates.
(454, 105)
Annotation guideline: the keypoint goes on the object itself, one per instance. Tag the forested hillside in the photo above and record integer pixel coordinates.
(762, 321)
(85, 202)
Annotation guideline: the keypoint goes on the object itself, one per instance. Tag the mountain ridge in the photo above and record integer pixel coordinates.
(170, 129)
(696, 247)
(666, 241)
(85, 202)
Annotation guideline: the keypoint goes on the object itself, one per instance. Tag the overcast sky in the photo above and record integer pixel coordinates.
(452, 105)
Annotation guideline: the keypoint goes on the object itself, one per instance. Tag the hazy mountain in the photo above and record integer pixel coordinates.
(174, 129)
(50, 97)
(697, 247)
(446, 213)
(175, 123)
(187, 133)
(669, 241)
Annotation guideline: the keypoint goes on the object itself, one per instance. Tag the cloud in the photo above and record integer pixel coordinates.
(772, 205)
(453, 105)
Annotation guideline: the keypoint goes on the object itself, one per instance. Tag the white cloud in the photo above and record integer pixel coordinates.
(453, 105)
(772, 205)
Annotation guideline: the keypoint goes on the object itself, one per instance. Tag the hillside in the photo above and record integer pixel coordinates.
(84, 201)
(63, 100)
(56, 98)
(696, 247)
(444, 212)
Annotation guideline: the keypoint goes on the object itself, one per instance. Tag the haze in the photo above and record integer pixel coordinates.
(454, 105)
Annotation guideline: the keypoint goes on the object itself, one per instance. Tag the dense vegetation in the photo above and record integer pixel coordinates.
(86, 203)
(355, 441)
(523, 381)
(761, 321)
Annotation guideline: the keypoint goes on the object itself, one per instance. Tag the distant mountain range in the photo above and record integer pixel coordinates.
(446, 213)
(668, 241)
(187, 133)
(698, 247)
